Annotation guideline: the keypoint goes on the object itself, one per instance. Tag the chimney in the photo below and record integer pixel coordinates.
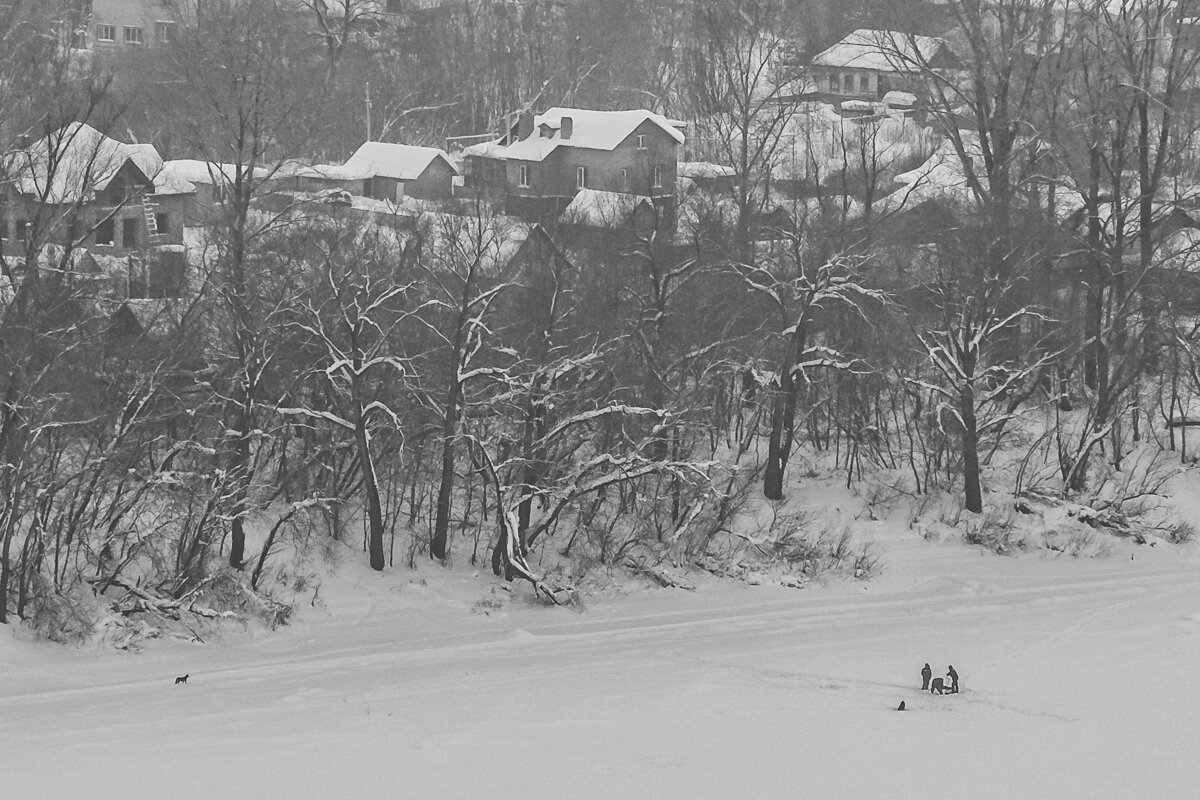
(524, 126)
(568, 127)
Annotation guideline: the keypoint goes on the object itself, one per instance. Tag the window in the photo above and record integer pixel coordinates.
(22, 230)
(864, 83)
(658, 177)
(164, 32)
(835, 83)
(162, 221)
(106, 33)
(581, 177)
(129, 232)
(641, 141)
(524, 182)
(133, 34)
(105, 232)
(625, 182)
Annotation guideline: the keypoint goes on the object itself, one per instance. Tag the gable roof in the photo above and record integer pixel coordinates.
(74, 162)
(592, 130)
(404, 162)
(885, 51)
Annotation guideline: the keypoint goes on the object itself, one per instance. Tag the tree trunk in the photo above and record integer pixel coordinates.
(371, 487)
(1093, 313)
(783, 417)
(441, 526)
(970, 450)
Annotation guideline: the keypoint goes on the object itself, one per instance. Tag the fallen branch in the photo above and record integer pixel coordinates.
(659, 576)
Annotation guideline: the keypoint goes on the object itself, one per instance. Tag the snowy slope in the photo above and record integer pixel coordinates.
(1078, 680)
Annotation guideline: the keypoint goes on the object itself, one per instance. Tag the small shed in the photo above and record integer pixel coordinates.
(392, 171)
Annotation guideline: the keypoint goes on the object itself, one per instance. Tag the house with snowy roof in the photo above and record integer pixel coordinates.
(382, 171)
(539, 163)
(79, 187)
(867, 64)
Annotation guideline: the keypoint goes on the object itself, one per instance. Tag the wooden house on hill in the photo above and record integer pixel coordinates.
(867, 64)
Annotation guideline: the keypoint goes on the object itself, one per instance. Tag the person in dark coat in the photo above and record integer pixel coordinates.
(926, 674)
(953, 679)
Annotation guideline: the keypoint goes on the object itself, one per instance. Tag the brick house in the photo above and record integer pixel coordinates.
(867, 64)
(123, 26)
(538, 163)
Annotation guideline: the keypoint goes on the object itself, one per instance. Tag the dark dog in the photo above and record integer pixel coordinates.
(181, 679)
(938, 686)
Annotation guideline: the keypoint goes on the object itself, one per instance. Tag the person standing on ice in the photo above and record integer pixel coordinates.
(926, 674)
(953, 679)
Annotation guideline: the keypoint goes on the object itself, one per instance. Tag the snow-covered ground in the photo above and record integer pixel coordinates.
(1078, 678)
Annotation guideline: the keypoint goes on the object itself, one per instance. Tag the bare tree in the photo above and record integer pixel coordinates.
(739, 99)
(353, 324)
(246, 113)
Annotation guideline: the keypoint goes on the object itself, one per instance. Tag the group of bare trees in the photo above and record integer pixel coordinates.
(464, 385)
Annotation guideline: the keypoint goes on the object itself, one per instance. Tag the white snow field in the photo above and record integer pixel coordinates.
(1079, 680)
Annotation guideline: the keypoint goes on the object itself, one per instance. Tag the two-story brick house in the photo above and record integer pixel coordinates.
(119, 27)
(539, 163)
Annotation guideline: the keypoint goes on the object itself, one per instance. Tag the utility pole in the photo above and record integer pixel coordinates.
(368, 91)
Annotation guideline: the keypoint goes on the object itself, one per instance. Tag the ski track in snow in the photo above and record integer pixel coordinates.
(759, 692)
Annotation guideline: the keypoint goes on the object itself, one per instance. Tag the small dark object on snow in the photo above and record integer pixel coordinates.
(953, 679)
(181, 679)
(926, 674)
(901, 706)
(938, 686)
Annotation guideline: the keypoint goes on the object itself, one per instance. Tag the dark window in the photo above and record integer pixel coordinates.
(658, 177)
(581, 177)
(165, 31)
(22, 230)
(864, 83)
(162, 221)
(129, 232)
(525, 182)
(106, 231)
(625, 182)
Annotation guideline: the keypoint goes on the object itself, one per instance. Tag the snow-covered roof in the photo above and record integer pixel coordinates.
(194, 171)
(404, 162)
(593, 130)
(73, 163)
(898, 99)
(885, 51)
(600, 209)
(704, 170)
